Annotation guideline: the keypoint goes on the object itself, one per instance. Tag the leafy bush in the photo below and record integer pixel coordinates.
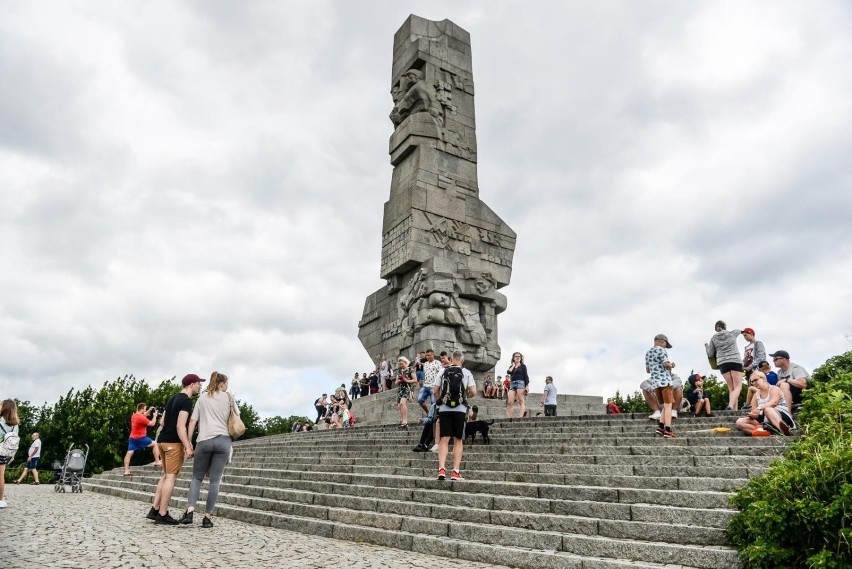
(100, 418)
(799, 513)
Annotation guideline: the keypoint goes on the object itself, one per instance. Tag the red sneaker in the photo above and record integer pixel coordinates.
(456, 475)
(442, 473)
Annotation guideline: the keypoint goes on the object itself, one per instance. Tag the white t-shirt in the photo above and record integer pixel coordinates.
(36, 446)
(432, 370)
(467, 381)
(550, 390)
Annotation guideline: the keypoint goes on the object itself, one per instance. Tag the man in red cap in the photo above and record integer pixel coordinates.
(175, 445)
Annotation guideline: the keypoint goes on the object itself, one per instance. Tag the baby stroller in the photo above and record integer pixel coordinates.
(72, 470)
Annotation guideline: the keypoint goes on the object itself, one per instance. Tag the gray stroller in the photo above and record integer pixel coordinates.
(72, 470)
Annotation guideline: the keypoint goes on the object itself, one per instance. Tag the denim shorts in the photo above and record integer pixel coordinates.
(32, 463)
(517, 384)
(425, 393)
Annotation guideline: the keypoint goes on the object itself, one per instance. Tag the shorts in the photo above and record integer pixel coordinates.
(172, 456)
(517, 384)
(425, 393)
(728, 367)
(32, 463)
(5, 459)
(138, 444)
(421, 375)
(452, 424)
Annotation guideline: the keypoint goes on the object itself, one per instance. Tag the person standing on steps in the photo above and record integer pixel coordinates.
(455, 386)
(213, 445)
(753, 354)
(175, 446)
(431, 369)
(658, 365)
(548, 398)
(139, 440)
(519, 381)
(723, 347)
(33, 456)
(404, 380)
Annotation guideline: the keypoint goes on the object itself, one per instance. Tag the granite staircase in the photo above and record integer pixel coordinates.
(589, 492)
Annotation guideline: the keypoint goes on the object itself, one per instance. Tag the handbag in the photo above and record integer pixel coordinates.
(236, 427)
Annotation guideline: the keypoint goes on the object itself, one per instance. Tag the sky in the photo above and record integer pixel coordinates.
(197, 186)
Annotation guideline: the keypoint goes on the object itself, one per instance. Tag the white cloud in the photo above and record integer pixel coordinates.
(190, 187)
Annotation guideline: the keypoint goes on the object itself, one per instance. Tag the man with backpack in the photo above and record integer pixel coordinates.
(454, 387)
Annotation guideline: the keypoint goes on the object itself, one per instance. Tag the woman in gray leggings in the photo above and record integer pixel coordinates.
(213, 446)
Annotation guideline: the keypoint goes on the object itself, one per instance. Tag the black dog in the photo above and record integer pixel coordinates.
(470, 430)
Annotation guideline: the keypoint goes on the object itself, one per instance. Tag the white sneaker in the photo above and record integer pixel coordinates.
(434, 448)
(655, 415)
(674, 414)
(3, 503)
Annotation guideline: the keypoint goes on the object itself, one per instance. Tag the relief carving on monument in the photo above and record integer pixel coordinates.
(444, 253)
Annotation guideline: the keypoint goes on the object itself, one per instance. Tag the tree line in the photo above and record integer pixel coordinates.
(100, 418)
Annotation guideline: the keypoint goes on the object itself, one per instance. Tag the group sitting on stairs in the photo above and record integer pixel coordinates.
(771, 398)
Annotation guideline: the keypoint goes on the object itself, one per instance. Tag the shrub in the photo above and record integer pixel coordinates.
(799, 513)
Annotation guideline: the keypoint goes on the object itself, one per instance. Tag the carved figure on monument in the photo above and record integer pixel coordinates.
(445, 254)
(412, 95)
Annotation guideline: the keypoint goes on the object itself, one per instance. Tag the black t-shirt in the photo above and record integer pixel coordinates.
(175, 404)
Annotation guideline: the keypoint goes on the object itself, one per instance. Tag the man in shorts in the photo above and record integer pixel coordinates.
(175, 445)
(139, 440)
(452, 418)
(33, 457)
(658, 365)
(792, 378)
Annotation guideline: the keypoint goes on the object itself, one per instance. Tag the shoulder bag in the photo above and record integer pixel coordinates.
(236, 427)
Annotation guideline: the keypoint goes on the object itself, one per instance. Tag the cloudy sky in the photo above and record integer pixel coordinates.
(198, 186)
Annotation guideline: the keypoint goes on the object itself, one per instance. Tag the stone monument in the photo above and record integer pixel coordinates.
(445, 254)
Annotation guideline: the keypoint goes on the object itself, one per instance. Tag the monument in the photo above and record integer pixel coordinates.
(445, 254)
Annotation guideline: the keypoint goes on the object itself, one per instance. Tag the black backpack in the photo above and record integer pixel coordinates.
(452, 388)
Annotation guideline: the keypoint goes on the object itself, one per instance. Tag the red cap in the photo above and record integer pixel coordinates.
(749, 331)
(191, 378)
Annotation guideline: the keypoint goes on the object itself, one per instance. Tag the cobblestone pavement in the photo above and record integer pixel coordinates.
(43, 529)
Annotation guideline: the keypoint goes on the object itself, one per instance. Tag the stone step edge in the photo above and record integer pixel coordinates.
(733, 472)
(594, 519)
(473, 485)
(395, 538)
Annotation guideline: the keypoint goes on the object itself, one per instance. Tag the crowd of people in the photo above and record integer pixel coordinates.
(770, 401)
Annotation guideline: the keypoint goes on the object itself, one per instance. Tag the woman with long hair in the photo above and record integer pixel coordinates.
(8, 424)
(213, 446)
(723, 347)
(519, 381)
(770, 409)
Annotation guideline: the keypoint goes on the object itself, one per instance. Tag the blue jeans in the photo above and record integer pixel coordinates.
(213, 454)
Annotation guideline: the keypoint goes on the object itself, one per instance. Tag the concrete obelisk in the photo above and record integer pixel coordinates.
(445, 254)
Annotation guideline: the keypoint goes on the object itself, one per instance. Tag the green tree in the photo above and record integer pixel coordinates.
(799, 513)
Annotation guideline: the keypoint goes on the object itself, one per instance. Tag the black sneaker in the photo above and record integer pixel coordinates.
(207, 523)
(420, 448)
(152, 514)
(186, 518)
(767, 426)
(166, 520)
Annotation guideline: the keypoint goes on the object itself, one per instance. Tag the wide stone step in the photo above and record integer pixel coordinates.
(506, 529)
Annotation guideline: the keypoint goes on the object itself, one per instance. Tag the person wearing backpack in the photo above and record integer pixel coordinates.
(9, 441)
(454, 387)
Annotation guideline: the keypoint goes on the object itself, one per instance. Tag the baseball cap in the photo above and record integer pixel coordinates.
(780, 354)
(191, 378)
(749, 331)
(664, 338)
